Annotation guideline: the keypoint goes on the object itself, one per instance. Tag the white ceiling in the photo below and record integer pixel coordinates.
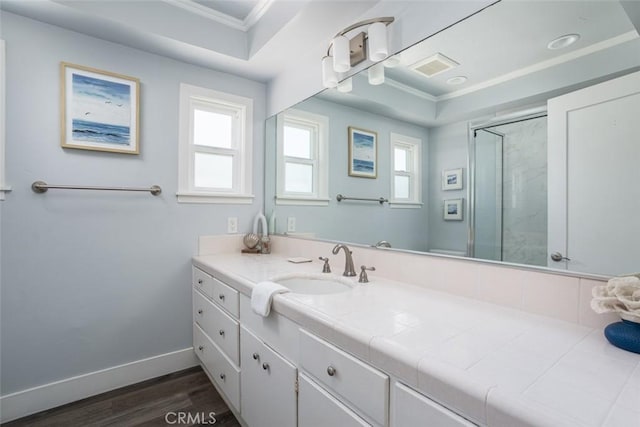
(260, 39)
(510, 38)
(503, 52)
(238, 9)
(256, 39)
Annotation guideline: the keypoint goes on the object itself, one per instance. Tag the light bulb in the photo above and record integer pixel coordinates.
(341, 54)
(377, 34)
(329, 77)
(345, 86)
(376, 74)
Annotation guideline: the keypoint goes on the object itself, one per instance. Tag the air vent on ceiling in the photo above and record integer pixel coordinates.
(434, 65)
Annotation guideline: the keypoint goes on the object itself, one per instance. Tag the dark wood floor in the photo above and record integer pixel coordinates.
(143, 404)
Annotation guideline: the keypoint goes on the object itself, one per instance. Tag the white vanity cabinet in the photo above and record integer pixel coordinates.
(216, 333)
(411, 408)
(355, 383)
(268, 385)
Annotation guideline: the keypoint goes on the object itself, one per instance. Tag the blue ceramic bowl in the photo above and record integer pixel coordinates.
(624, 335)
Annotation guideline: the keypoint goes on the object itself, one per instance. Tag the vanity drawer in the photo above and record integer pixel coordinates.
(202, 281)
(220, 369)
(317, 408)
(220, 293)
(219, 326)
(362, 387)
(226, 297)
(412, 408)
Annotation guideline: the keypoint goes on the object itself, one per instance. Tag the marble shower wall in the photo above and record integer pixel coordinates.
(524, 210)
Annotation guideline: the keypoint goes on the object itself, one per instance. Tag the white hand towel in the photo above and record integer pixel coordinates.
(262, 295)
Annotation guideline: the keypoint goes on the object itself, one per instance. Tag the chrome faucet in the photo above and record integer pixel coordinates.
(383, 244)
(349, 269)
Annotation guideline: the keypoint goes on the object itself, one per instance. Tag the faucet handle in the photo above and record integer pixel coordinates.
(363, 273)
(325, 268)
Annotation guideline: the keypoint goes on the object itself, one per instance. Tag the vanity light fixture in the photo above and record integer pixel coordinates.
(563, 41)
(457, 80)
(345, 52)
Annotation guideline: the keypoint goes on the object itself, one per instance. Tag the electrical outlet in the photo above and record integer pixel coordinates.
(291, 224)
(232, 225)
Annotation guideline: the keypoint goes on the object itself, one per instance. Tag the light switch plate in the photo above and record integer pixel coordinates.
(232, 225)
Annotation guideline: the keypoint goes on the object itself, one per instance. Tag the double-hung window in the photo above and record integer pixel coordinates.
(406, 171)
(215, 158)
(302, 158)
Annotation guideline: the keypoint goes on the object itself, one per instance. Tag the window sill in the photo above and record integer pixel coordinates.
(236, 199)
(302, 201)
(405, 205)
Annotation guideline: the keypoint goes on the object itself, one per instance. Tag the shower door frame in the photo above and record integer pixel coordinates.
(473, 127)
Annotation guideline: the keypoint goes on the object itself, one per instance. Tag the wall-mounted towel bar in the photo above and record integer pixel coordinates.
(42, 187)
(381, 200)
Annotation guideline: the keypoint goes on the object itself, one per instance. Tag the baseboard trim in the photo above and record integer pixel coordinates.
(26, 402)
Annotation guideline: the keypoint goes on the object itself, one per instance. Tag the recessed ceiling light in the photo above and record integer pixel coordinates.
(563, 41)
(458, 80)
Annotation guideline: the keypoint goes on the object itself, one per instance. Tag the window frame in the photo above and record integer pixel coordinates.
(414, 146)
(320, 159)
(241, 110)
(3, 186)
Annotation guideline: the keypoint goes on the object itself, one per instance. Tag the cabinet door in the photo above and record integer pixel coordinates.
(268, 395)
(413, 409)
(317, 408)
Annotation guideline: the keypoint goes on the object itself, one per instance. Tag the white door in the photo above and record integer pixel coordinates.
(594, 177)
(267, 385)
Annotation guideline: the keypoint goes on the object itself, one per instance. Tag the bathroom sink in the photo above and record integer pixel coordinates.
(315, 284)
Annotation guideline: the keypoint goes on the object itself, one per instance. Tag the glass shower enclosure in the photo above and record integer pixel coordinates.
(508, 171)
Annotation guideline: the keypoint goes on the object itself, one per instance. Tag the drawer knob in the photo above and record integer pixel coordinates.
(221, 296)
(201, 348)
(265, 366)
(256, 356)
(222, 377)
(331, 371)
(199, 281)
(221, 332)
(200, 311)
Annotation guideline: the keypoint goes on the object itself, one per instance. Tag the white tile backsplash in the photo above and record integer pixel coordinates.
(554, 295)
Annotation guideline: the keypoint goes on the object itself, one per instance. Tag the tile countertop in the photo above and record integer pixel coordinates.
(494, 365)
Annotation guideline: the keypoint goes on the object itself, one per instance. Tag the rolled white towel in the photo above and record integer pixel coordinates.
(262, 296)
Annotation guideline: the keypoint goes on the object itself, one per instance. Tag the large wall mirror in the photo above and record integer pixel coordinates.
(512, 136)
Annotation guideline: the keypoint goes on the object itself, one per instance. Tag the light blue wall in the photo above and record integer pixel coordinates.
(360, 222)
(92, 280)
(447, 150)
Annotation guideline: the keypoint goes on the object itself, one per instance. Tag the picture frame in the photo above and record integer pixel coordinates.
(452, 179)
(453, 209)
(363, 153)
(100, 110)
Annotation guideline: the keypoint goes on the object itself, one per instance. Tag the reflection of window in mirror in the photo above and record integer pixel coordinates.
(406, 171)
(2, 120)
(215, 146)
(302, 158)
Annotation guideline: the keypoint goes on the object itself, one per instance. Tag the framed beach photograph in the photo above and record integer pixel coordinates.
(453, 210)
(99, 110)
(363, 153)
(452, 179)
